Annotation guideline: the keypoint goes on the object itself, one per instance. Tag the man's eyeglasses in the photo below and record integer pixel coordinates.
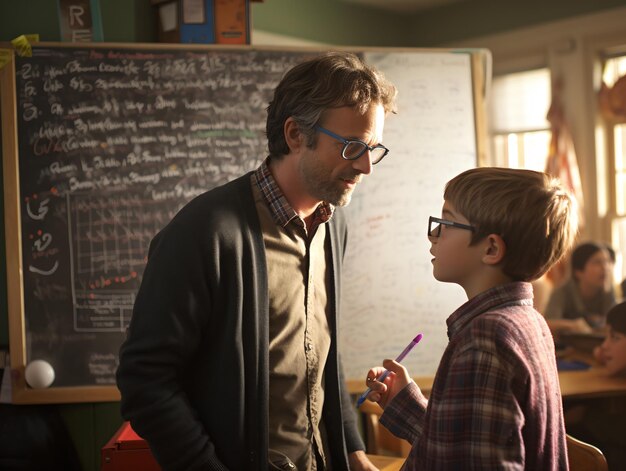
(353, 148)
(435, 224)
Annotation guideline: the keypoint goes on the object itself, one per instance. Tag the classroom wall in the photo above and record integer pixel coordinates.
(461, 21)
(332, 22)
(122, 20)
(328, 21)
(339, 22)
(325, 21)
(322, 21)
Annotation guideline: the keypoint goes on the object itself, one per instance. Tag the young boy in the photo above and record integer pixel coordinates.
(496, 401)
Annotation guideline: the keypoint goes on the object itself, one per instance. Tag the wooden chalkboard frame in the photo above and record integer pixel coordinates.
(21, 392)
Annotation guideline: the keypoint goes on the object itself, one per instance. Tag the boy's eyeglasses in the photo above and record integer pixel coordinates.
(435, 224)
(353, 148)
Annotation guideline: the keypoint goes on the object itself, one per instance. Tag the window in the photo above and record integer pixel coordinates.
(615, 171)
(520, 132)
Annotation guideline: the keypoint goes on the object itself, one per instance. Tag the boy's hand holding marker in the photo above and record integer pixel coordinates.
(393, 383)
(384, 383)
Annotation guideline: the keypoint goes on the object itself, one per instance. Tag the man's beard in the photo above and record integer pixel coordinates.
(322, 186)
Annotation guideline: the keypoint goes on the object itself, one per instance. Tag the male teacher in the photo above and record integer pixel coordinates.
(231, 360)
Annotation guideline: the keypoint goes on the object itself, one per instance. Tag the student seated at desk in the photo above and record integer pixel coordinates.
(495, 401)
(612, 352)
(602, 421)
(581, 304)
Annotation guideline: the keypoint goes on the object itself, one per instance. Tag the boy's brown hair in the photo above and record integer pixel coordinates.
(534, 215)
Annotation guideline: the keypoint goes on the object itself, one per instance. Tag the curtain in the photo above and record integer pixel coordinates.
(562, 163)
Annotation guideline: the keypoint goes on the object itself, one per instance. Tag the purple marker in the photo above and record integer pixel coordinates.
(382, 377)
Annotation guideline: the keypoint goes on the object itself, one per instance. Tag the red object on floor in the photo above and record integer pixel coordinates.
(127, 451)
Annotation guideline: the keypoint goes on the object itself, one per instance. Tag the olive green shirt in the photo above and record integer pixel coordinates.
(299, 335)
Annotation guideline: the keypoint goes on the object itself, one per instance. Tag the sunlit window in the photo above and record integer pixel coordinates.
(523, 150)
(614, 68)
(517, 110)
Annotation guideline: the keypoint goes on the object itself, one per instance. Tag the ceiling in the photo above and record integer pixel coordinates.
(405, 6)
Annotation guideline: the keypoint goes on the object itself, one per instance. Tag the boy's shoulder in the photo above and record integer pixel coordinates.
(505, 333)
(503, 326)
(502, 310)
(504, 319)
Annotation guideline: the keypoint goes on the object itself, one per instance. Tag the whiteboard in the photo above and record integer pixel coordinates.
(388, 291)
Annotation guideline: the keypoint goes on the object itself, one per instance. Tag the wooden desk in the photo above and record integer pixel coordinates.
(386, 463)
(593, 382)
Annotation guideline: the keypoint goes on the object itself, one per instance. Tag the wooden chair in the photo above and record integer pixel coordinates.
(381, 441)
(585, 457)
(582, 456)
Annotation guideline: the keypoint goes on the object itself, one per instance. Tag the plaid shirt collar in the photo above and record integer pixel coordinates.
(510, 294)
(281, 210)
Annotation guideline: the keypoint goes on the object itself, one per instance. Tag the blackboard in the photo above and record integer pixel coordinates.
(103, 144)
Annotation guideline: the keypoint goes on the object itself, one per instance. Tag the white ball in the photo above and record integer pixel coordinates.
(39, 374)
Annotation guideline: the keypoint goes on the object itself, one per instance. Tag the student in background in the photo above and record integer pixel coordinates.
(495, 401)
(231, 360)
(612, 352)
(602, 421)
(581, 304)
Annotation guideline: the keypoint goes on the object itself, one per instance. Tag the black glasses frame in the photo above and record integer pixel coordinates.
(347, 142)
(445, 222)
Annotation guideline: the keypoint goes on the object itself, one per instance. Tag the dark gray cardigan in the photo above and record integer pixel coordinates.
(193, 371)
